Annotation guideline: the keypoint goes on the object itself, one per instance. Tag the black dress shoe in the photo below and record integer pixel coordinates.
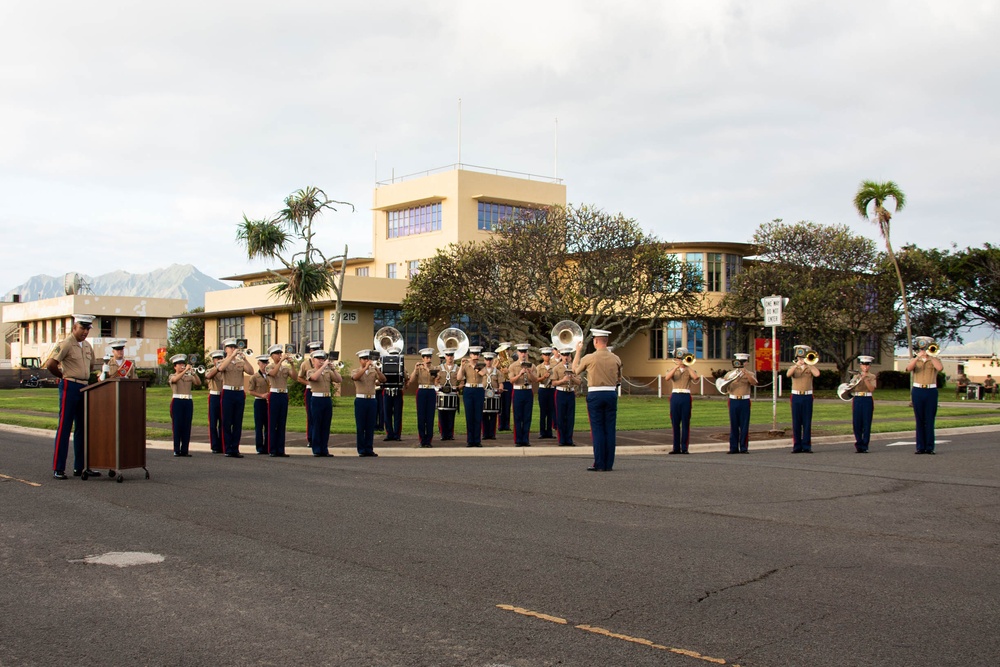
(186, 455)
(59, 474)
(261, 453)
(90, 473)
(594, 469)
(234, 456)
(178, 454)
(673, 452)
(323, 455)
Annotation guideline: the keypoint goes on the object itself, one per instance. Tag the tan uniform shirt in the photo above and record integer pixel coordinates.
(470, 376)
(183, 384)
(448, 373)
(304, 368)
(741, 385)
(421, 375)
(559, 372)
(214, 382)
(802, 378)
(232, 375)
(603, 368)
(925, 373)
(113, 368)
(323, 384)
(681, 378)
(544, 374)
(493, 378)
(258, 385)
(365, 385)
(76, 358)
(278, 378)
(867, 384)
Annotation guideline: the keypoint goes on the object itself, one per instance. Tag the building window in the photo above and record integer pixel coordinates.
(713, 272)
(872, 346)
(415, 220)
(363, 271)
(715, 338)
(266, 334)
(107, 327)
(230, 327)
(696, 339)
(414, 333)
(136, 327)
(412, 268)
(656, 342)
(734, 267)
(491, 213)
(696, 261)
(390, 270)
(313, 328)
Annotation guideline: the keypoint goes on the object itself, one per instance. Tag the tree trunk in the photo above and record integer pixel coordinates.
(902, 293)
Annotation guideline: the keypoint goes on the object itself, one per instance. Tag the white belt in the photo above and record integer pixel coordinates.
(279, 391)
(214, 393)
(260, 398)
(522, 386)
(75, 380)
(472, 386)
(564, 389)
(801, 393)
(364, 396)
(681, 391)
(924, 386)
(183, 396)
(426, 386)
(320, 394)
(589, 389)
(229, 387)
(862, 393)
(738, 398)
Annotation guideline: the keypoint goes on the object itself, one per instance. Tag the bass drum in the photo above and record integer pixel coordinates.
(492, 404)
(447, 401)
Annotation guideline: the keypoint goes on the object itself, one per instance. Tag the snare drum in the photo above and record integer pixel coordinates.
(447, 401)
(492, 404)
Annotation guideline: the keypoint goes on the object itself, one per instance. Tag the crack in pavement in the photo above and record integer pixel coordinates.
(760, 577)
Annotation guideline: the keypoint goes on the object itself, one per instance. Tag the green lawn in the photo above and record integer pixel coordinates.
(634, 412)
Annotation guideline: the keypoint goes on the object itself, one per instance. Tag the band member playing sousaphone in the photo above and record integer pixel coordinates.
(802, 373)
(925, 367)
(565, 383)
(492, 380)
(736, 385)
(423, 376)
(681, 377)
(473, 397)
(522, 375)
(546, 395)
(447, 384)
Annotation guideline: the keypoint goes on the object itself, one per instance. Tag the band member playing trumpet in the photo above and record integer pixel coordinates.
(279, 371)
(492, 380)
(259, 388)
(306, 367)
(234, 398)
(682, 377)
(604, 374)
(522, 375)
(739, 405)
(422, 378)
(365, 376)
(924, 394)
(565, 382)
(214, 379)
(447, 381)
(863, 405)
(321, 380)
(118, 366)
(181, 404)
(546, 395)
(802, 373)
(473, 397)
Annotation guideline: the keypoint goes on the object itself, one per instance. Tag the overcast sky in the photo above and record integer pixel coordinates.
(136, 135)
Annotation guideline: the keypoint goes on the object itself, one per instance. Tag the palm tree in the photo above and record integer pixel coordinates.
(878, 193)
(308, 273)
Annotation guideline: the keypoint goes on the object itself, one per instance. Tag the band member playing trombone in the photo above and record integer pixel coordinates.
(473, 397)
(522, 375)
(682, 377)
(447, 382)
(802, 373)
(738, 390)
(423, 379)
(214, 379)
(863, 404)
(321, 380)
(604, 374)
(546, 395)
(365, 376)
(279, 372)
(181, 403)
(233, 368)
(924, 395)
(259, 388)
(564, 384)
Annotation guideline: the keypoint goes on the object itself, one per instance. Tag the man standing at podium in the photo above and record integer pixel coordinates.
(71, 361)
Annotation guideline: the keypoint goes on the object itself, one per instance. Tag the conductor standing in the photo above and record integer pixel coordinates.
(604, 373)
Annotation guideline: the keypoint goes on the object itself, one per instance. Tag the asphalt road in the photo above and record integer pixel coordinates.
(766, 559)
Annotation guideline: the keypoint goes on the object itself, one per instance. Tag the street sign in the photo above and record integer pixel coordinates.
(772, 310)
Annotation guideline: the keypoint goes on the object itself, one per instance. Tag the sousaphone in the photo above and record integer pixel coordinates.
(388, 341)
(453, 339)
(566, 334)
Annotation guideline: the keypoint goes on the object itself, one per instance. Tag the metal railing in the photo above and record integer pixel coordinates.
(458, 166)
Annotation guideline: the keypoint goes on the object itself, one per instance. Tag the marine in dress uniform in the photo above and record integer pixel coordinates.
(565, 382)
(546, 395)
(739, 406)
(260, 389)
(117, 366)
(924, 394)
(214, 379)
(423, 379)
(182, 403)
(305, 368)
(233, 369)
(863, 405)
(802, 376)
(604, 374)
(507, 397)
(279, 372)
(71, 361)
(321, 381)
(492, 380)
(681, 380)
(473, 397)
(522, 375)
(447, 382)
(365, 406)
(392, 411)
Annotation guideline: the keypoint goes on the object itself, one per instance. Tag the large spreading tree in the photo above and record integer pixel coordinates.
(582, 264)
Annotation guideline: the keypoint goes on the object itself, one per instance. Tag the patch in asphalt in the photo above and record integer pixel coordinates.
(122, 559)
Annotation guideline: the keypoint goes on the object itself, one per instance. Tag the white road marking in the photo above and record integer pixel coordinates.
(122, 559)
(913, 444)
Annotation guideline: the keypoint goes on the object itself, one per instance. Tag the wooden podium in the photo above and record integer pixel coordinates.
(114, 426)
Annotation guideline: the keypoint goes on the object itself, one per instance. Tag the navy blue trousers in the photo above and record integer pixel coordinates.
(522, 404)
(215, 422)
(181, 414)
(426, 404)
(393, 413)
(233, 403)
(546, 412)
(925, 404)
(260, 424)
(802, 417)
(565, 416)
(474, 398)
(321, 414)
(277, 420)
(506, 398)
(70, 419)
(365, 410)
(862, 410)
(739, 424)
(680, 419)
(602, 409)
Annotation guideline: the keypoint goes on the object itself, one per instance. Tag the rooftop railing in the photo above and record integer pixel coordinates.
(470, 167)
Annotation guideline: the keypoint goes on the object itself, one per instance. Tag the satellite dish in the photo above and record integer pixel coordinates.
(74, 283)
